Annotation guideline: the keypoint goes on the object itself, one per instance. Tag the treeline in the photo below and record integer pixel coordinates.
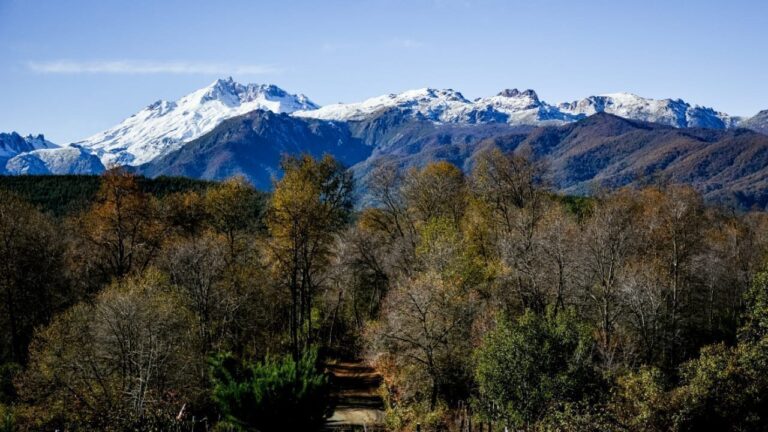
(63, 194)
(485, 300)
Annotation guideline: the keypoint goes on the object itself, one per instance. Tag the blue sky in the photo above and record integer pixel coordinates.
(72, 68)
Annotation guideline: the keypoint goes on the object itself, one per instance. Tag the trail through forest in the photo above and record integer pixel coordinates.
(358, 405)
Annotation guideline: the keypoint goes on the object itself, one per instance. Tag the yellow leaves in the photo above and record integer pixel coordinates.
(437, 190)
(372, 220)
(312, 198)
(120, 233)
(309, 205)
(233, 206)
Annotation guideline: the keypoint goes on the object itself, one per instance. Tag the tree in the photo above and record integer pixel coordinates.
(389, 223)
(197, 268)
(310, 205)
(385, 185)
(511, 190)
(643, 296)
(276, 394)
(507, 182)
(724, 388)
(234, 207)
(435, 191)
(116, 361)
(558, 244)
(185, 212)
(609, 240)
(526, 367)
(357, 280)
(675, 238)
(425, 329)
(231, 298)
(31, 265)
(121, 233)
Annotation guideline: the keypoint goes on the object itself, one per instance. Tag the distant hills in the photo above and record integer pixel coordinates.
(603, 141)
(606, 151)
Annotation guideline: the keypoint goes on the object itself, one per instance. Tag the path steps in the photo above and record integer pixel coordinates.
(358, 406)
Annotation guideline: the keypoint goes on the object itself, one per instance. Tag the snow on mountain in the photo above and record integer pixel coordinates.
(758, 123)
(165, 126)
(62, 160)
(447, 106)
(518, 108)
(12, 144)
(524, 108)
(431, 104)
(677, 113)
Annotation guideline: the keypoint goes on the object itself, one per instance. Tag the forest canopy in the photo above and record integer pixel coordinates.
(484, 299)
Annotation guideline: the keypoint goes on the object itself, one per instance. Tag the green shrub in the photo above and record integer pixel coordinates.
(7, 420)
(276, 394)
(527, 367)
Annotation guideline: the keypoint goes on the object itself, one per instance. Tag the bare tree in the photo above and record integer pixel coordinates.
(608, 239)
(119, 358)
(425, 328)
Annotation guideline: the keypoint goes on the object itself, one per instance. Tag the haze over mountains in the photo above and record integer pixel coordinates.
(228, 128)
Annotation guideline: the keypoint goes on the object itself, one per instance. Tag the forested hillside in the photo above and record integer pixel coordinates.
(484, 300)
(61, 194)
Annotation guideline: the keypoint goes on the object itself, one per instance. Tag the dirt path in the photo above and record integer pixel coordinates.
(358, 404)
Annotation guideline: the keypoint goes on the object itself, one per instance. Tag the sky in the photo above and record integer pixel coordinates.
(72, 68)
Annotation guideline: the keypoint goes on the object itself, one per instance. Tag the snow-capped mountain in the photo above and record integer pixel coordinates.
(62, 160)
(758, 123)
(449, 106)
(165, 126)
(12, 144)
(444, 106)
(677, 113)
(517, 107)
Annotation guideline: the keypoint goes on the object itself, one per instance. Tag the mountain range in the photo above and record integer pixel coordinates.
(228, 128)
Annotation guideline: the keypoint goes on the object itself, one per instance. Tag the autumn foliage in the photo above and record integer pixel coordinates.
(483, 298)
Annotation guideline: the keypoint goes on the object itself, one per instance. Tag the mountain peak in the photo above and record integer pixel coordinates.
(621, 95)
(437, 105)
(165, 126)
(224, 90)
(12, 144)
(515, 93)
(429, 93)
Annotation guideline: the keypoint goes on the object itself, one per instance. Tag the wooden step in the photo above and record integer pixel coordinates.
(358, 406)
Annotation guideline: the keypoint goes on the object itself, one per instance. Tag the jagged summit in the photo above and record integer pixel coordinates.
(164, 126)
(672, 112)
(516, 107)
(62, 160)
(12, 144)
(513, 93)
(426, 103)
(233, 93)
(759, 122)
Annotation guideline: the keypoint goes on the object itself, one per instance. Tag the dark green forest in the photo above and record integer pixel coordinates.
(63, 194)
(485, 300)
